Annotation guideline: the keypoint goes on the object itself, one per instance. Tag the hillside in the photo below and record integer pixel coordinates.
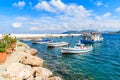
(77, 32)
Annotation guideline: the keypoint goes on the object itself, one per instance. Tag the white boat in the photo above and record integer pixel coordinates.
(43, 41)
(22, 40)
(35, 40)
(57, 44)
(76, 49)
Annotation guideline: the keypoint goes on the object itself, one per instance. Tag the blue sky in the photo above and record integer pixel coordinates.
(56, 16)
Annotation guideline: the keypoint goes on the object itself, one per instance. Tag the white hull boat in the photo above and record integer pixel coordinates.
(76, 49)
(57, 44)
(22, 40)
(43, 41)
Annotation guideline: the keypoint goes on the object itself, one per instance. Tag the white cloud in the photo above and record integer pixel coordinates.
(106, 15)
(21, 18)
(66, 17)
(103, 17)
(99, 3)
(34, 28)
(58, 4)
(98, 18)
(117, 9)
(54, 6)
(19, 5)
(44, 6)
(16, 25)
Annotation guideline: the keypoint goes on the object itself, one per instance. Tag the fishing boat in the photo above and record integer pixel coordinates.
(37, 39)
(57, 44)
(91, 38)
(24, 40)
(42, 41)
(79, 48)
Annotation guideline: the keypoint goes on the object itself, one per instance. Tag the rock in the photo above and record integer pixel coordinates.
(27, 67)
(20, 44)
(42, 72)
(13, 70)
(25, 73)
(9, 50)
(6, 75)
(30, 60)
(18, 71)
(31, 51)
(31, 78)
(20, 48)
(14, 78)
(38, 78)
(54, 78)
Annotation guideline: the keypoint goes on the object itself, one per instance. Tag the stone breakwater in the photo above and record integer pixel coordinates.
(23, 65)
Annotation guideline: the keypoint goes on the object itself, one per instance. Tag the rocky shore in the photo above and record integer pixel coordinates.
(22, 64)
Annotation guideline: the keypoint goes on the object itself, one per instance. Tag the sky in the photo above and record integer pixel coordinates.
(56, 16)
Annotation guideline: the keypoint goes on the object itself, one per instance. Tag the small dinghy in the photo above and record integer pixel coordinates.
(57, 44)
(24, 40)
(42, 41)
(79, 48)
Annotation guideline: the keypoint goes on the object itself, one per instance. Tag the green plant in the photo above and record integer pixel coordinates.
(12, 39)
(3, 46)
(2, 49)
(9, 39)
(6, 39)
(20, 45)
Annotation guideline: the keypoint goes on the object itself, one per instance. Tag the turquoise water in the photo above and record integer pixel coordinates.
(103, 63)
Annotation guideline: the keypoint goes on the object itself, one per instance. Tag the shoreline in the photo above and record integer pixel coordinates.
(30, 64)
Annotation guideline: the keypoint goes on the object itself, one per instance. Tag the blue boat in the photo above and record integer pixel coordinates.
(91, 38)
(89, 41)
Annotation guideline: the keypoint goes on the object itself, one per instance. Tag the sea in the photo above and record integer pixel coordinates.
(102, 63)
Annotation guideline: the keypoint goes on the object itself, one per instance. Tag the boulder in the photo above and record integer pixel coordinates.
(54, 78)
(31, 51)
(38, 78)
(13, 70)
(20, 44)
(30, 60)
(14, 78)
(41, 72)
(9, 50)
(20, 48)
(18, 71)
(25, 73)
(31, 78)
(26, 66)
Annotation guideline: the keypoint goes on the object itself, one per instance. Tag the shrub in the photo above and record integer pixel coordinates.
(8, 39)
(13, 40)
(3, 46)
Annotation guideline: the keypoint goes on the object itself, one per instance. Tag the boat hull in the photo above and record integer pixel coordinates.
(89, 41)
(41, 42)
(76, 50)
(58, 44)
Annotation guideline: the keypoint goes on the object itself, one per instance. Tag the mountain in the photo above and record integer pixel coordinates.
(71, 32)
(78, 32)
(113, 32)
(118, 32)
